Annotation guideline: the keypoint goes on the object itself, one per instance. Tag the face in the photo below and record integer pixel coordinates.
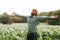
(33, 12)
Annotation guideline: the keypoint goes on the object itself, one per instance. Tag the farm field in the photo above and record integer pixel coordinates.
(18, 31)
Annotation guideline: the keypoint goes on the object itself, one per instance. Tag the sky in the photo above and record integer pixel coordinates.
(24, 7)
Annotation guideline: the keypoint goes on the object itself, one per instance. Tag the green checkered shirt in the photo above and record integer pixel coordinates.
(33, 22)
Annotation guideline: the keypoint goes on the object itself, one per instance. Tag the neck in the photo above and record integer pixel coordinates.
(32, 16)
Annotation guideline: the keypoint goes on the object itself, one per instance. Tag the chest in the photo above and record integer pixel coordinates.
(32, 20)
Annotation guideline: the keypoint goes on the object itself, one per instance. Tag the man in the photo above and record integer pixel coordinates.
(32, 25)
(32, 22)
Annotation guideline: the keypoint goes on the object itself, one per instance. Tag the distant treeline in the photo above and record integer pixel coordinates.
(53, 21)
(51, 13)
(8, 19)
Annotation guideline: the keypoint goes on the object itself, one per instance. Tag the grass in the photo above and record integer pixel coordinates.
(17, 32)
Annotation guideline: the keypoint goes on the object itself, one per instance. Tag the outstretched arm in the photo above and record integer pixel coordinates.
(43, 17)
(21, 16)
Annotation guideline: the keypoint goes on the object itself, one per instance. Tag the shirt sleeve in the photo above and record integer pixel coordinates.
(21, 16)
(24, 17)
(42, 17)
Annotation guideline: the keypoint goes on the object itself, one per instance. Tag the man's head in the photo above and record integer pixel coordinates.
(34, 12)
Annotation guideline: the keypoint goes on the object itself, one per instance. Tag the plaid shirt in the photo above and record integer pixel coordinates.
(33, 22)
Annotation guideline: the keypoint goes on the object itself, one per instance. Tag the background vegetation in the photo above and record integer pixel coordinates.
(8, 19)
(19, 32)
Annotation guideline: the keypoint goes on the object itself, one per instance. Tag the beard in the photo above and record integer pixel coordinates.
(32, 14)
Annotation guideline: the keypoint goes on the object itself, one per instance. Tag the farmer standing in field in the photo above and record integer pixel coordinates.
(32, 22)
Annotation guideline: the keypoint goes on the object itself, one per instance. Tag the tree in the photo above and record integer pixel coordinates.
(57, 12)
(5, 19)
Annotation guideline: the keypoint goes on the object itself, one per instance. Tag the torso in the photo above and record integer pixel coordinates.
(32, 24)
